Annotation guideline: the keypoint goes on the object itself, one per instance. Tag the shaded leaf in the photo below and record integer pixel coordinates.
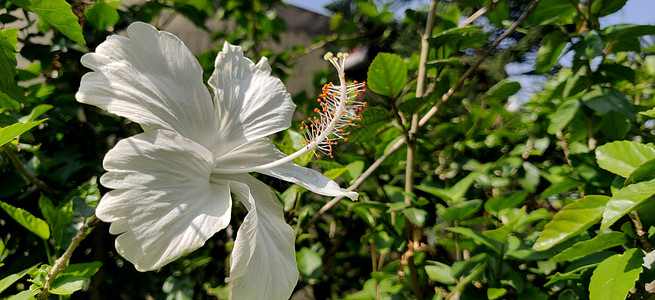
(387, 75)
(645, 171)
(478, 238)
(563, 115)
(461, 210)
(9, 280)
(500, 204)
(606, 99)
(551, 48)
(102, 14)
(310, 264)
(439, 272)
(600, 242)
(602, 8)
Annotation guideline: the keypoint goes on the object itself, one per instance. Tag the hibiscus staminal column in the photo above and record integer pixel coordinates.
(340, 107)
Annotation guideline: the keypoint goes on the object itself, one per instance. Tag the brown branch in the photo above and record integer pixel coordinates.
(61, 262)
(15, 161)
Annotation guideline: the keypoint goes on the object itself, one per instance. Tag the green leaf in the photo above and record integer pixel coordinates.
(645, 171)
(9, 280)
(462, 210)
(571, 221)
(102, 14)
(602, 8)
(458, 38)
(605, 99)
(626, 200)
(25, 295)
(600, 242)
(415, 215)
(614, 125)
(498, 14)
(559, 187)
(551, 48)
(29, 221)
(623, 157)
(84, 270)
(588, 48)
(12, 131)
(387, 75)
(497, 206)
(495, 293)
(503, 89)
(439, 272)
(549, 10)
(477, 237)
(35, 113)
(622, 32)
(57, 13)
(563, 115)
(616, 276)
(59, 219)
(67, 284)
(310, 264)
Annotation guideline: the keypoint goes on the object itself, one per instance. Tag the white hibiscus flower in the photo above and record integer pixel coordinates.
(172, 184)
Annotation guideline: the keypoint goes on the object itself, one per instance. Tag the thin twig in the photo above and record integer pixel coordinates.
(61, 262)
(15, 161)
(359, 180)
(477, 64)
(422, 121)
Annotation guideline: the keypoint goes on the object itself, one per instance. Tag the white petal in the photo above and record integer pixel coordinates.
(262, 151)
(153, 79)
(250, 102)
(263, 262)
(163, 204)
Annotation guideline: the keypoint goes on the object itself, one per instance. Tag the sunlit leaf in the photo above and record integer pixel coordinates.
(623, 157)
(626, 200)
(12, 131)
(57, 13)
(29, 221)
(616, 276)
(571, 220)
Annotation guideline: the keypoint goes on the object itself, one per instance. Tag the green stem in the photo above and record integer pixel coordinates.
(15, 161)
(47, 251)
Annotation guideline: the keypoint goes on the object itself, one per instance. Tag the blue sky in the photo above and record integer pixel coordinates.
(635, 11)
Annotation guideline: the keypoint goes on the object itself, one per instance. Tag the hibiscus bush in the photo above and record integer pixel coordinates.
(482, 150)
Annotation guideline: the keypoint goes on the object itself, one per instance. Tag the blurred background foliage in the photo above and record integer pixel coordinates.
(515, 195)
